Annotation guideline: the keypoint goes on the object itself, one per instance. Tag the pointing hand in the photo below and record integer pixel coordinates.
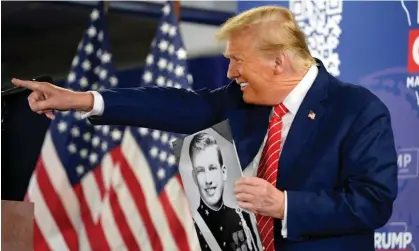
(46, 97)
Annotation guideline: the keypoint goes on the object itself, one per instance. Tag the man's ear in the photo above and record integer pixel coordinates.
(224, 171)
(279, 63)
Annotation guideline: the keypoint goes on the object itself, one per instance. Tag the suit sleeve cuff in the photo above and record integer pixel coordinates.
(284, 220)
(98, 106)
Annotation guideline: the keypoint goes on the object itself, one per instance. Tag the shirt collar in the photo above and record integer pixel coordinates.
(296, 96)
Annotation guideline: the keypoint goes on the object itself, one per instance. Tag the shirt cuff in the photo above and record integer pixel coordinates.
(284, 220)
(98, 106)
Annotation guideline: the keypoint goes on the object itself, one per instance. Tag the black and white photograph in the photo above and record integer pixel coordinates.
(209, 166)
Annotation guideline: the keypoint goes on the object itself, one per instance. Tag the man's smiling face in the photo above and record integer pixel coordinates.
(209, 175)
(254, 71)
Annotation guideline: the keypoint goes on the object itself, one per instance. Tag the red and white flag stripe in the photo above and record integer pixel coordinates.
(115, 207)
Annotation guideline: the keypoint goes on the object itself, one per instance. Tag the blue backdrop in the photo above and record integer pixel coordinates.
(376, 45)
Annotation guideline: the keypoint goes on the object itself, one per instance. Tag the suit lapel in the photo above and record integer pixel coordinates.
(304, 125)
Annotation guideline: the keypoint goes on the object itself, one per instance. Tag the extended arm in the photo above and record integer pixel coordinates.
(168, 109)
(370, 171)
(162, 108)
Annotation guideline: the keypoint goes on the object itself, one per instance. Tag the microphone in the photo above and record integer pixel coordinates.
(18, 89)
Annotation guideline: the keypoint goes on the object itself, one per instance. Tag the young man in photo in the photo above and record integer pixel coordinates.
(230, 228)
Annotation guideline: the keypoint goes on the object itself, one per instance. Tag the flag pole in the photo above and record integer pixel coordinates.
(176, 5)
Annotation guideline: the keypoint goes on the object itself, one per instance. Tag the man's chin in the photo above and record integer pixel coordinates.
(251, 100)
(213, 203)
(248, 99)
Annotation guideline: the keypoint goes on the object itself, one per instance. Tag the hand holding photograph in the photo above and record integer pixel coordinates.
(209, 166)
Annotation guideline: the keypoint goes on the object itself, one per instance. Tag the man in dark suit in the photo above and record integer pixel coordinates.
(218, 226)
(318, 153)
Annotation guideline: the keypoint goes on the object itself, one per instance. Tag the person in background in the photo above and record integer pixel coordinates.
(318, 154)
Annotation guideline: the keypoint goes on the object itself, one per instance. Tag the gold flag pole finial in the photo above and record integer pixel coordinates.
(176, 5)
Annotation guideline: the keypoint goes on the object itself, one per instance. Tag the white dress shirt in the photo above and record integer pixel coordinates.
(292, 102)
(98, 106)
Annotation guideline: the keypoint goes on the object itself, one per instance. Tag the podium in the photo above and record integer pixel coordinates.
(17, 222)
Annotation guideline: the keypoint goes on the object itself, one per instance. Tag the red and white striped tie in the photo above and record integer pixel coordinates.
(268, 168)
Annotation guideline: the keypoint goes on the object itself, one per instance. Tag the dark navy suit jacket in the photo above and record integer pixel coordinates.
(339, 169)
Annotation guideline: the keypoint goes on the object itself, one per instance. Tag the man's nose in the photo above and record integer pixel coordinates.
(208, 179)
(232, 72)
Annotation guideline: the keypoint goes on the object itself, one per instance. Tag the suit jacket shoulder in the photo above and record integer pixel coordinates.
(350, 98)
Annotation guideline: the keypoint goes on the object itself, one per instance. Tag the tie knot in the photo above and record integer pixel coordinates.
(279, 111)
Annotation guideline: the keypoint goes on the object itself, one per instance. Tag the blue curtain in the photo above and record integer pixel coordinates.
(207, 72)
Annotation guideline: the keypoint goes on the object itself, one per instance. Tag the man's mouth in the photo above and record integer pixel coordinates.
(210, 191)
(243, 86)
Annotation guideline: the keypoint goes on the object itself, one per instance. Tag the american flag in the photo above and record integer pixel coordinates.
(311, 115)
(112, 187)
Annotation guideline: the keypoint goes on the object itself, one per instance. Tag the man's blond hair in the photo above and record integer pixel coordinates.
(275, 31)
